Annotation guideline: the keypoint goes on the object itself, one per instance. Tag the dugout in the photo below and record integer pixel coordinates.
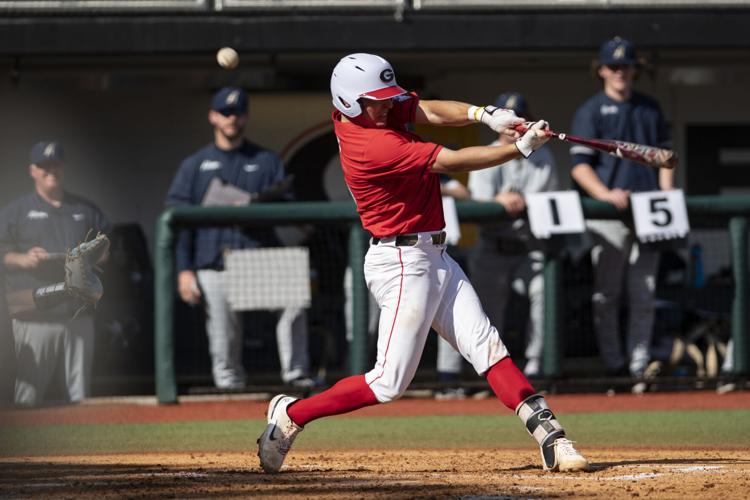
(124, 84)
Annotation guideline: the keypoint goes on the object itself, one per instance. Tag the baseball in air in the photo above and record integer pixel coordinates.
(227, 58)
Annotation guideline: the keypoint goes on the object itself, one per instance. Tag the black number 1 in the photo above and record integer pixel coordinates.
(555, 212)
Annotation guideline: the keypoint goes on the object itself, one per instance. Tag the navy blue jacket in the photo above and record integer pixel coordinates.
(637, 120)
(30, 221)
(249, 167)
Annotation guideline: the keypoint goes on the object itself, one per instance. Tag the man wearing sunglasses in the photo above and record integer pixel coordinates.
(199, 253)
(619, 112)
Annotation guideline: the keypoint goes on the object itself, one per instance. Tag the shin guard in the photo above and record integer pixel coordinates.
(541, 423)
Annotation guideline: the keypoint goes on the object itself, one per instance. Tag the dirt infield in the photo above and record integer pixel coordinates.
(244, 409)
(394, 474)
(486, 473)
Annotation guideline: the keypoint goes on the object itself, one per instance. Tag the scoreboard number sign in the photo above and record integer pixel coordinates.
(554, 212)
(660, 215)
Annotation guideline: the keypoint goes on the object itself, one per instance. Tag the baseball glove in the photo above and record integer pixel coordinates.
(80, 280)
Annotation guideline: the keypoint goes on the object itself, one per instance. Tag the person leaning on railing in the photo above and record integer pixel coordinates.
(619, 112)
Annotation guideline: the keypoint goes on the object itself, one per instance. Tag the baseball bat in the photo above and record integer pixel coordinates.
(647, 155)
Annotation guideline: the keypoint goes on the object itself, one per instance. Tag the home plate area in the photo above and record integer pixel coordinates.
(470, 474)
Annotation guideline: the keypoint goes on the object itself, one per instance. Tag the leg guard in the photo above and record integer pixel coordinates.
(541, 423)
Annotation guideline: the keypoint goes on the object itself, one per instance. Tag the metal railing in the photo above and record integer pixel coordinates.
(734, 211)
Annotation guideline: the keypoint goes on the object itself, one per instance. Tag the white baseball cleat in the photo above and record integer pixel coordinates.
(563, 457)
(277, 439)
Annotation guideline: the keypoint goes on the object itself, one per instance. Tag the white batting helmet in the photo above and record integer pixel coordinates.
(362, 75)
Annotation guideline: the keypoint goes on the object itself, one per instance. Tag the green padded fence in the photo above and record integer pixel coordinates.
(268, 214)
(733, 210)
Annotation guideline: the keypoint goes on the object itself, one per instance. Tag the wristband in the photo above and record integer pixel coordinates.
(475, 113)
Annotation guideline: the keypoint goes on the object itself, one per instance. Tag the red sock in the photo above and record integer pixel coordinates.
(508, 383)
(349, 394)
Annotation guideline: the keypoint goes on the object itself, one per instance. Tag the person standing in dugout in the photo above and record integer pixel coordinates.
(393, 176)
(618, 112)
(507, 256)
(35, 232)
(199, 253)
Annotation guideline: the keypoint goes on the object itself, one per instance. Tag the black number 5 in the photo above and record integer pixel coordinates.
(666, 215)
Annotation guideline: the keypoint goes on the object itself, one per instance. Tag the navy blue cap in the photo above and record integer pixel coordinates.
(617, 51)
(46, 151)
(230, 101)
(515, 101)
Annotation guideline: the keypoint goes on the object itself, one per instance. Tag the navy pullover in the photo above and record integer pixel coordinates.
(637, 120)
(249, 167)
(30, 221)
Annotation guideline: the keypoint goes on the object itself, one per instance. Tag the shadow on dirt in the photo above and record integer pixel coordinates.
(22, 479)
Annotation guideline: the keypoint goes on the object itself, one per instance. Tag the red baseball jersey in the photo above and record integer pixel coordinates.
(388, 173)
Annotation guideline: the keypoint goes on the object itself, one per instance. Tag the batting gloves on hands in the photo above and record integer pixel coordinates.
(533, 139)
(497, 119)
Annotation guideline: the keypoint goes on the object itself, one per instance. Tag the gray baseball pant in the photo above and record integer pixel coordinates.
(619, 260)
(42, 346)
(494, 276)
(225, 336)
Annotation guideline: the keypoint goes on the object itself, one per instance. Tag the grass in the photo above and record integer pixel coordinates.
(695, 429)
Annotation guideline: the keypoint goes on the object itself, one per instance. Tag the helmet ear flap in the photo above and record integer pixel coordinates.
(347, 104)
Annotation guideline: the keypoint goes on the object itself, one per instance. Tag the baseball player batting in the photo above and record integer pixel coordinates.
(393, 176)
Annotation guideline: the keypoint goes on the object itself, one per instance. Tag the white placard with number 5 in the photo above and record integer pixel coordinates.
(660, 215)
(554, 212)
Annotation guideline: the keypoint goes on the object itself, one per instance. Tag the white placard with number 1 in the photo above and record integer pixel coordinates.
(554, 212)
(660, 215)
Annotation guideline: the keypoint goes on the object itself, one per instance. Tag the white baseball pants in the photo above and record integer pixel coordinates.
(418, 287)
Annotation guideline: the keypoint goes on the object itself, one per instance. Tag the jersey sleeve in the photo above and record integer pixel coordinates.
(584, 125)
(279, 176)
(101, 224)
(181, 190)
(396, 154)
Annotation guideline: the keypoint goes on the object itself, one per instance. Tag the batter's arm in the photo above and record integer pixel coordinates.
(456, 114)
(445, 113)
(480, 157)
(473, 158)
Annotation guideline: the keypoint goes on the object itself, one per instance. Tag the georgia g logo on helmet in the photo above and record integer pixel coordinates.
(359, 76)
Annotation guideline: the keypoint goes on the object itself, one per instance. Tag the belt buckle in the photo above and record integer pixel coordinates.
(407, 240)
